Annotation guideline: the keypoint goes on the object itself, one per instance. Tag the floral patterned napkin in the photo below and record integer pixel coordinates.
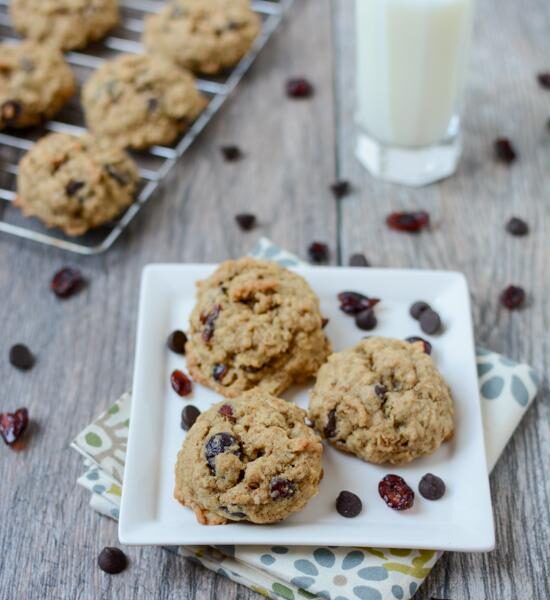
(330, 573)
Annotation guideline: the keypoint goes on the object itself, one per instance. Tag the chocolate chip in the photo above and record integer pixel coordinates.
(330, 427)
(189, 415)
(418, 308)
(366, 320)
(281, 488)
(512, 297)
(340, 189)
(152, 104)
(517, 226)
(298, 87)
(21, 357)
(318, 252)
(324, 322)
(219, 371)
(119, 177)
(504, 151)
(238, 514)
(112, 560)
(431, 487)
(544, 80)
(426, 346)
(66, 282)
(73, 186)
(380, 391)
(177, 341)
(348, 504)
(358, 260)
(246, 221)
(10, 111)
(430, 321)
(231, 153)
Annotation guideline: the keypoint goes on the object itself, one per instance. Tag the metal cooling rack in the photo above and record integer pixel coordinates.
(153, 164)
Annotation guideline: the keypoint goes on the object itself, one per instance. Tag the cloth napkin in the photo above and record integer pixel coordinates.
(507, 389)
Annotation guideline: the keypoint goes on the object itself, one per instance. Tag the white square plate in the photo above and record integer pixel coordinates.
(462, 520)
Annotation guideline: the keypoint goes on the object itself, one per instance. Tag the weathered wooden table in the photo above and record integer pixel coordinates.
(49, 537)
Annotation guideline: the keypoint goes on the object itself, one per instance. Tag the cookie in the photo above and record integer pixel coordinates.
(384, 401)
(255, 323)
(249, 459)
(75, 183)
(205, 37)
(141, 100)
(35, 82)
(65, 24)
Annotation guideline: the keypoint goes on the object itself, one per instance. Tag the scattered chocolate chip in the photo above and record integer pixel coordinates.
(395, 492)
(13, 425)
(152, 104)
(330, 427)
(189, 415)
(281, 488)
(246, 221)
(318, 252)
(348, 504)
(218, 444)
(119, 177)
(112, 560)
(226, 410)
(380, 391)
(299, 87)
(324, 322)
(340, 189)
(412, 222)
(10, 111)
(544, 80)
(219, 371)
(209, 321)
(231, 153)
(21, 357)
(431, 487)
(512, 297)
(418, 308)
(238, 514)
(504, 151)
(73, 186)
(366, 319)
(430, 321)
(177, 341)
(426, 346)
(181, 384)
(517, 226)
(66, 282)
(353, 303)
(358, 260)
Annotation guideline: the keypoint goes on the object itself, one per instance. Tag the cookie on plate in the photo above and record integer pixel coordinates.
(205, 37)
(140, 100)
(66, 24)
(255, 323)
(75, 183)
(384, 401)
(252, 458)
(35, 82)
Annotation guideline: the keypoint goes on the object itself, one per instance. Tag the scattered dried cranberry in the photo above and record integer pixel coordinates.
(430, 321)
(330, 427)
(318, 252)
(366, 320)
(512, 297)
(299, 87)
(418, 308)
(280, 488)
(21, 357)
(353, 303)
(517, 226)
(219, 371)
(177, 341)
(66, 282)
(231, 153)
(412, 222)
(504, 151)
(112, 560)
(226, 410)
(348, 504)
(218, 444)
(544, 80)
(426, 346)
(246, 221)
(73, 186)
(395, 492)
(209, 321)
(181, 384)
(431, 487)
(358, 260)
(189, 415)
(380, 391)
(340, 189)
(10, 111)
(13, 425)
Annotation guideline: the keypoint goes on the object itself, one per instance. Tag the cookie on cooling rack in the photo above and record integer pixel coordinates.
(66, 24)
(205, 37)
(35, 82)
(75, 183)
(140, 100)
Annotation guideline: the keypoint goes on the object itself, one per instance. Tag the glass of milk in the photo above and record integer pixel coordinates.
(411, 59)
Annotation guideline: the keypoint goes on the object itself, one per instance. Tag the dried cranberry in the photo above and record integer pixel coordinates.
(73, 186)
(299, 87)
(353, 303)
(226, 410)
(381, 391)
(512, 297)
(231, 153)
(358, 260)
(21, 357)
(13, 425)
(281, 488)
(504, 151)
(412, 222)
(10, 111)
(181, 384)
(330, 427)
(418, 308)
(67, 282)
(348, 504)
(177, 341)
(218, 444)
(112, 560)
(426, 346)
(318, 252)
(396, 493)
(209, 321)
(431, 487)
(340, 189)
(517, 226)
(246, 221)
(219, 371)
(430, 321)
(544, 80)
(189, 415)
(366, 320)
